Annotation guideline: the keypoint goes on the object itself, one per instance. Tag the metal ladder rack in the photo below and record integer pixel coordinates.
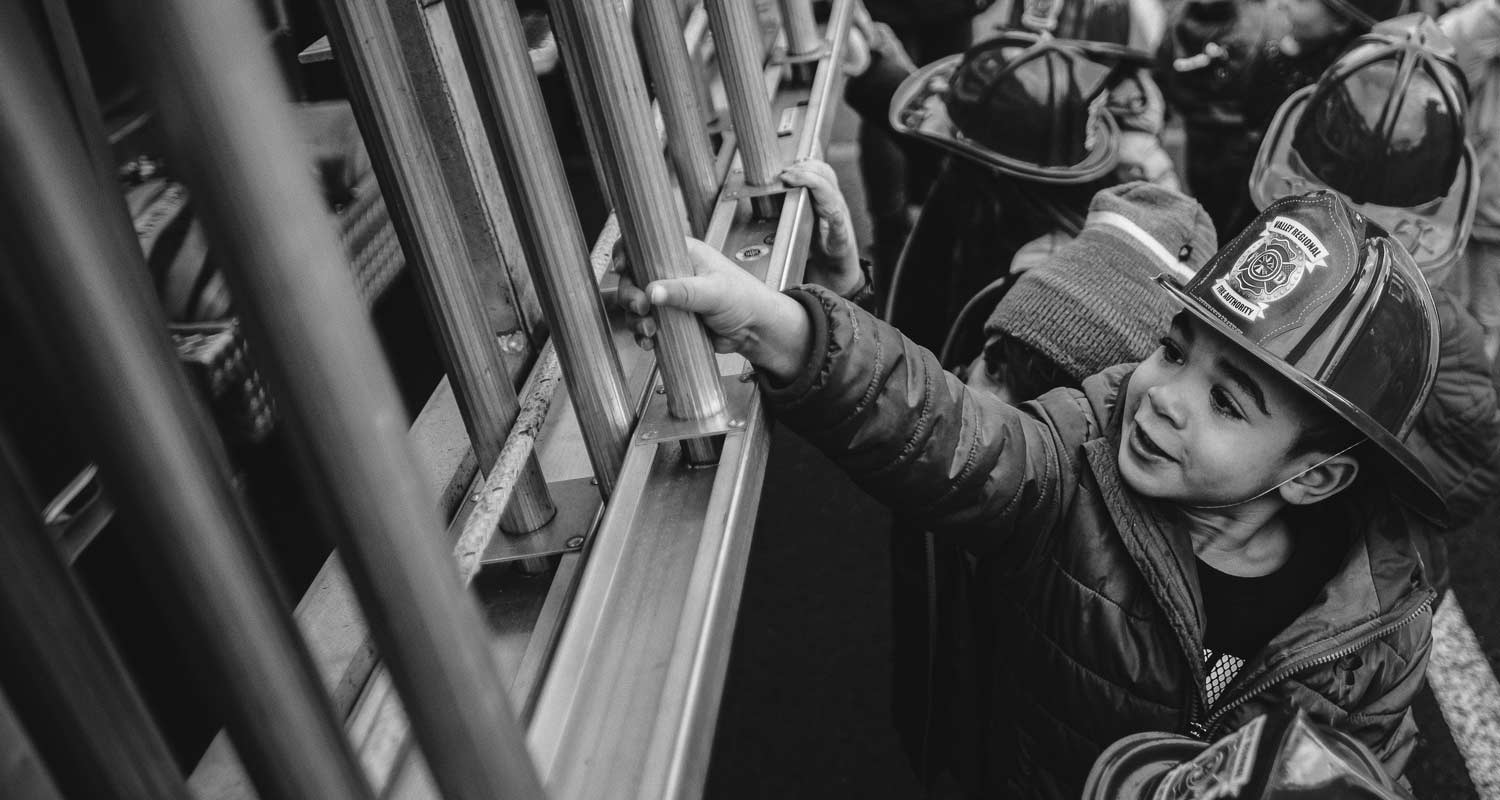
(622, 485)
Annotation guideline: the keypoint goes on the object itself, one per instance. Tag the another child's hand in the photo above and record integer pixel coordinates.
(741, 313)
(834, 260)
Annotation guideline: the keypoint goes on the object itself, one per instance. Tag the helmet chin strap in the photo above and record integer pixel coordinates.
(1283, 483)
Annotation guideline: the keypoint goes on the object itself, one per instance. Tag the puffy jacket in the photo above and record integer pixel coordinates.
(1457, 434)
(1090, 621)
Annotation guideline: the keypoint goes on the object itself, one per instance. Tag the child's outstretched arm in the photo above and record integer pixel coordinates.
(881, 406)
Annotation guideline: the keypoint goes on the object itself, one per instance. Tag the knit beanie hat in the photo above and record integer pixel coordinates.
(1094, 303)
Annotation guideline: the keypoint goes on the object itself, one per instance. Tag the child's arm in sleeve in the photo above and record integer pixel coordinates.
(910, 433)
(914, 436)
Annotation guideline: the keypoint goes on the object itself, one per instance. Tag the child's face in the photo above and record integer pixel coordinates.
(1206, 424)
(1310, 22)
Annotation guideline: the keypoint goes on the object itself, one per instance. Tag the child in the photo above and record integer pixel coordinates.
(1091, 303)
(1183, 544)
(1384, 127)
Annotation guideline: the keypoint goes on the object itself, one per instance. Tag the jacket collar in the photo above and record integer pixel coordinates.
(1379, 581)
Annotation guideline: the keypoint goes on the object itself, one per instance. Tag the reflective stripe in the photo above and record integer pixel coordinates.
(1146, 240)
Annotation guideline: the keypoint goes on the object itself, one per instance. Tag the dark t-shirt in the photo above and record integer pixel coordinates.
(1244, 614)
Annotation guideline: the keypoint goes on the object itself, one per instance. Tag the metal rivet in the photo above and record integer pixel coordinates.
(593, 481)
(661, 390)
(575, 541)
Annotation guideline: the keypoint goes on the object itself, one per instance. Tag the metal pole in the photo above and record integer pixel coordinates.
(68, 686)
(85, 292)
(677, 93)
(510, 101)
(598, 49)
(802, 38)
(413, 185)
(23, 774)
(741, 59)
(232, 131)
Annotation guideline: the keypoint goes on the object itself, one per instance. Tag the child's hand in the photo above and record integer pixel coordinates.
(834, 260)
(742, 314)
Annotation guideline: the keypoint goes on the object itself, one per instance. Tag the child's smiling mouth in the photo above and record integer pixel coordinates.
(1144, 445)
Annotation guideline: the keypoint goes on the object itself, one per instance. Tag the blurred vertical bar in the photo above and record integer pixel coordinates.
(741, 61)
(85, 294)
(66, 682)
(494, 51)
(232, 133)
(676, 89)
(802, 37)
(23, 775)
(412, 183)
(598, 49)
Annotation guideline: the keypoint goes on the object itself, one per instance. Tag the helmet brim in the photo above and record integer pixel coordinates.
(1443, 225)
(1424, 496)
(1131, 767)
(918, 109)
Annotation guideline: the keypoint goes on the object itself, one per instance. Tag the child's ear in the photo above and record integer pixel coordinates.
(1321, 481)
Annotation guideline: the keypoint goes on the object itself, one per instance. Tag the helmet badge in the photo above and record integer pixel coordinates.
(1270, 268)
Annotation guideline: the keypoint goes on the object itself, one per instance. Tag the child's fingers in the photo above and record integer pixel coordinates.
(618, 261)
(631, 297)
(698, 294)
(827, 202)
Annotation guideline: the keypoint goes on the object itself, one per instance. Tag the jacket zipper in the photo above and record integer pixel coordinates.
(1208, 726)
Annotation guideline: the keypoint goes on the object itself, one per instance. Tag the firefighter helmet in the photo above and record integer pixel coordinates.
(1327, 299)
(1384, 127)
(1276, 756)
(1027, 105)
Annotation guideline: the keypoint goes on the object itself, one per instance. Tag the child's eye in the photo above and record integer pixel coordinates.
(1171, 351)
(1224, 404)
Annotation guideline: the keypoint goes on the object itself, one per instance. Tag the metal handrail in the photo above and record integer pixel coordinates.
(231, 132)
(629, 703)
(494, 52)
(737, 41)
(802, 39)
(598, 47)
(405, 160)
(676, 89)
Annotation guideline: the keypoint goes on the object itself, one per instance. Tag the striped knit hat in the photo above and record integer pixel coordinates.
(1094, 303)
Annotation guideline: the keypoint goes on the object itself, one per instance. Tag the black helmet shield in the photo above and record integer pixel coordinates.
(1025, 104)
(1384, 127)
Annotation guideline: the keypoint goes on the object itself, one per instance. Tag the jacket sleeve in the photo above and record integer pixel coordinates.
(946, 457)
(1457, 434)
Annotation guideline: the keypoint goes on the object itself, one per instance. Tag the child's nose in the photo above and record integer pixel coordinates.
(1166, 403)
